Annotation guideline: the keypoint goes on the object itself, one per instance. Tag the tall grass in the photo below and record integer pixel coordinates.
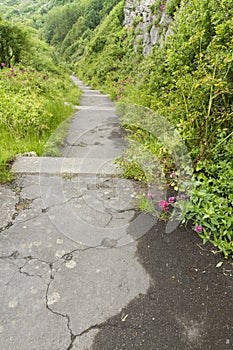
(32, 106)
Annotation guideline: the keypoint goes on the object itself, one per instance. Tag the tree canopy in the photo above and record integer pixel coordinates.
(14, 42)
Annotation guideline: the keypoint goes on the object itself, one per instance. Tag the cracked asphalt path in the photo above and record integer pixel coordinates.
(81, 269)
(65, 267)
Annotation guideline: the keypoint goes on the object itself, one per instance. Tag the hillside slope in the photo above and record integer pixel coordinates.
(33, 89)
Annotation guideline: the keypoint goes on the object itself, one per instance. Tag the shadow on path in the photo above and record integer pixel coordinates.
(189, 302)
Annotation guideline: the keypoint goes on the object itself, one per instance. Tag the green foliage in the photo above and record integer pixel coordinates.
(68, 26)
(31, 11)
(146, 205)
(155, 6)
(171, 6)
(118, 56)
(35, 97)
(137, 20)
(188, 81)
(211, 198)
(31, 108)
(59, 21)
(14, 43)
(106, 49)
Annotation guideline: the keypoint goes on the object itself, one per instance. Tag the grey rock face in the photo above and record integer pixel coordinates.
(153, 28)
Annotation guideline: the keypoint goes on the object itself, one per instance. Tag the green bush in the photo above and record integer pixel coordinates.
(171, 6)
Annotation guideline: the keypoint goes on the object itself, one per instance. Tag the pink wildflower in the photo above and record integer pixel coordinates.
(198, 229)
(150, 196)
(164, 205)
(173, 175)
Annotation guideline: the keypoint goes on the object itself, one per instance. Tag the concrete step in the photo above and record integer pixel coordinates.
(61, 166)
(95, 108)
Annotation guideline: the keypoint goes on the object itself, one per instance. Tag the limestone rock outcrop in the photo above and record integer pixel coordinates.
(152, 28)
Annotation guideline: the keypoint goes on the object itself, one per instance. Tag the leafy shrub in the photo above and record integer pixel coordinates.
(171, 6)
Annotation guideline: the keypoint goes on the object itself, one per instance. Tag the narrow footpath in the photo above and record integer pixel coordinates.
(82, 269)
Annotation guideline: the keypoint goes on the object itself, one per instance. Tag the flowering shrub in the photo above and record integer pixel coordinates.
(120, 88)
(160, 208)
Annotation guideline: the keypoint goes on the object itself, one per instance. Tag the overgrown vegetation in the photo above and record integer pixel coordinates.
(70, 27)
(188, 81)
(32, 94)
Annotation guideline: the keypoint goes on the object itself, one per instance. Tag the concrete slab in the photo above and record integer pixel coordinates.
(96, 100)
(89, 119)
(93, 136)
(85, 342)
(108, 149)
(61, 166)
(25, 321)
(113, 275)
(90, 93)
(95, 108)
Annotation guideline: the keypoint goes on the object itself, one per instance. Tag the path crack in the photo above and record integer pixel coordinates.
(27, 273)
(108, 325)
(21, 205)
(66, 257)
(59, 314)
(29, 219)
(44, 210)
(109, 221)
(120, 211)
(69, 256)
(14, 255)
(10, 224)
